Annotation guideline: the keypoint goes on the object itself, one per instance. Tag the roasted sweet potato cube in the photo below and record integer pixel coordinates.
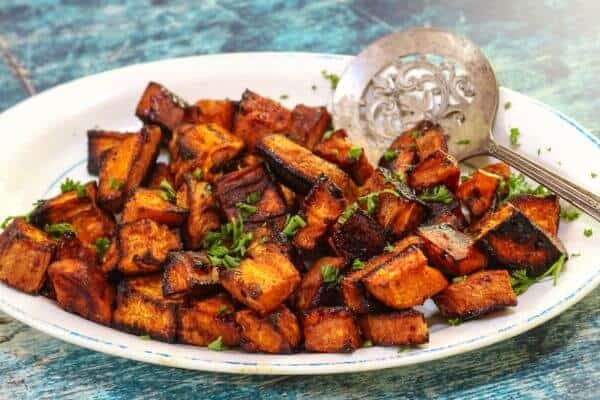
(152, 204)
(143, 310)
(405, 280)
(208, 111)
(278, 332)
(159, 106)
(206, 147)
(402, 154)
(330, 330)
(395, 329)
(320, 209)
(263, 280)
(25, 253)
(124, 167)
(189, 273)
(450, 214)
(200, 322)
(478, 192)
(512, 241)
(82, 289)
(108, 261)
(70, 247)
(308, 125)
(544, 211)
(160, 172)
(340, 151)
(358, 237)
(430, 141)
(299, 168)
(143, 246)
(479, 294)
(440, 168)
(356, 298)
(451, 251)
(312, 292)
(98, 142)
(501, 169)
(258, 116)
(203, 215)
(251, 194)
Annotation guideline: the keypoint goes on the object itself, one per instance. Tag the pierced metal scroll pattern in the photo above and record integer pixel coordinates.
(409, 91)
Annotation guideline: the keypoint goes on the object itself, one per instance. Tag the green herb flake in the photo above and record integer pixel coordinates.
(7, 221)
(224, 310)
(520, 281)
(388, 248)
(284, 97)
(144, 337)
(367, 343)
(217, 344)
(464, 142)
(390, 155)
(459, 279)
(331, 275)
(116, 184)
(507, 105)
(292, 225)
(437, 194)
(246, 209)
(347, 213)
(197, 174)
(57, 230)
(333, 79)
(102, 245)
(227, 246)
(354, 153)
(454, 321)
(594, 175)
(370, 200)
(168, 193)
(569, 214)
(515, 133)
(416, 134)
(574, 255)
(516, 186)
(587, 232)
(539, 152)
(327, 135)
(70, 185)
(358, 264)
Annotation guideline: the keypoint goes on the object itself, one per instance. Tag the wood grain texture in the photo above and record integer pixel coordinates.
(547, 49)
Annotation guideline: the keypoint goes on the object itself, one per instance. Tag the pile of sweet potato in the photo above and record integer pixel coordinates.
(269, 231)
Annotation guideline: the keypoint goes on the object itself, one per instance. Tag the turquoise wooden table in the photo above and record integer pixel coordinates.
(548, 49)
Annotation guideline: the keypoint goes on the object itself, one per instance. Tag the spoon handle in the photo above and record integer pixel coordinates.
(574, 194)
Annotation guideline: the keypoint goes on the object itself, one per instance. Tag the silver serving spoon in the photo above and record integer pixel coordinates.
(427, 73)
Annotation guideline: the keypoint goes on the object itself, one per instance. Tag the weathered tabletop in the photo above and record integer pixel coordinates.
(547, 49)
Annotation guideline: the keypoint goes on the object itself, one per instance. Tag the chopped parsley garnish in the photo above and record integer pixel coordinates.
(347, 213)
(521, 282)
(358, 264)
(333, 79)
(26, 217)
(516, 186)
(354, 153)
(587, 232)
(593, 174)
(168, 193)
(144, 337)
(416, 134)
(464, 178)
(515, 133)
(367, 343)
(327, 135)
(197, 174)
(437, 194)
(224, 310)
(70, 185)
(7, 221)
(575, 255)
(116, 184)
(227, 246)
(57, 230)
(459, 279)
(102, 245)
(390, 155)
(284, 97)
(464, 141)
(569, 215)
(454, 321)
(331, 275)
(292, 225)
(371, 199)
(248, 207)
(389, 247)
(548, 149)
(507, 105)
(217, 344)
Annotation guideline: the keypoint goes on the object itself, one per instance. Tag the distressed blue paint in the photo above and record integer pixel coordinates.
(549, 50)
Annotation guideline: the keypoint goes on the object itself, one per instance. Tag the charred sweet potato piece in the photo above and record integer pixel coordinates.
(124, 167)
(251, 193)
(142, 309)
(206, 147)
(478, 192)
(143, 246)
(320, 209)
(405, 280)
(340, 151)
(208, 111)
(451, 251)
(330, 330)
(299, 168)
(70, 247)
(544, 211)
(358, 237)
(79, 210)
(263, 280)
(312, 292)
(440, 168)
(450, 214)
(159, 106)
(25, 253)
(512, 241)
(188, 273)
(401, 156)
(278, 332)
(200, 322)
(356, 298)
(430, 140)
(258, 116)
(152, 204)
(160, 173)
(308, 125)
(395, 329)
(82, 289)
(479, 294)
(203, 215)
(98, 143)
